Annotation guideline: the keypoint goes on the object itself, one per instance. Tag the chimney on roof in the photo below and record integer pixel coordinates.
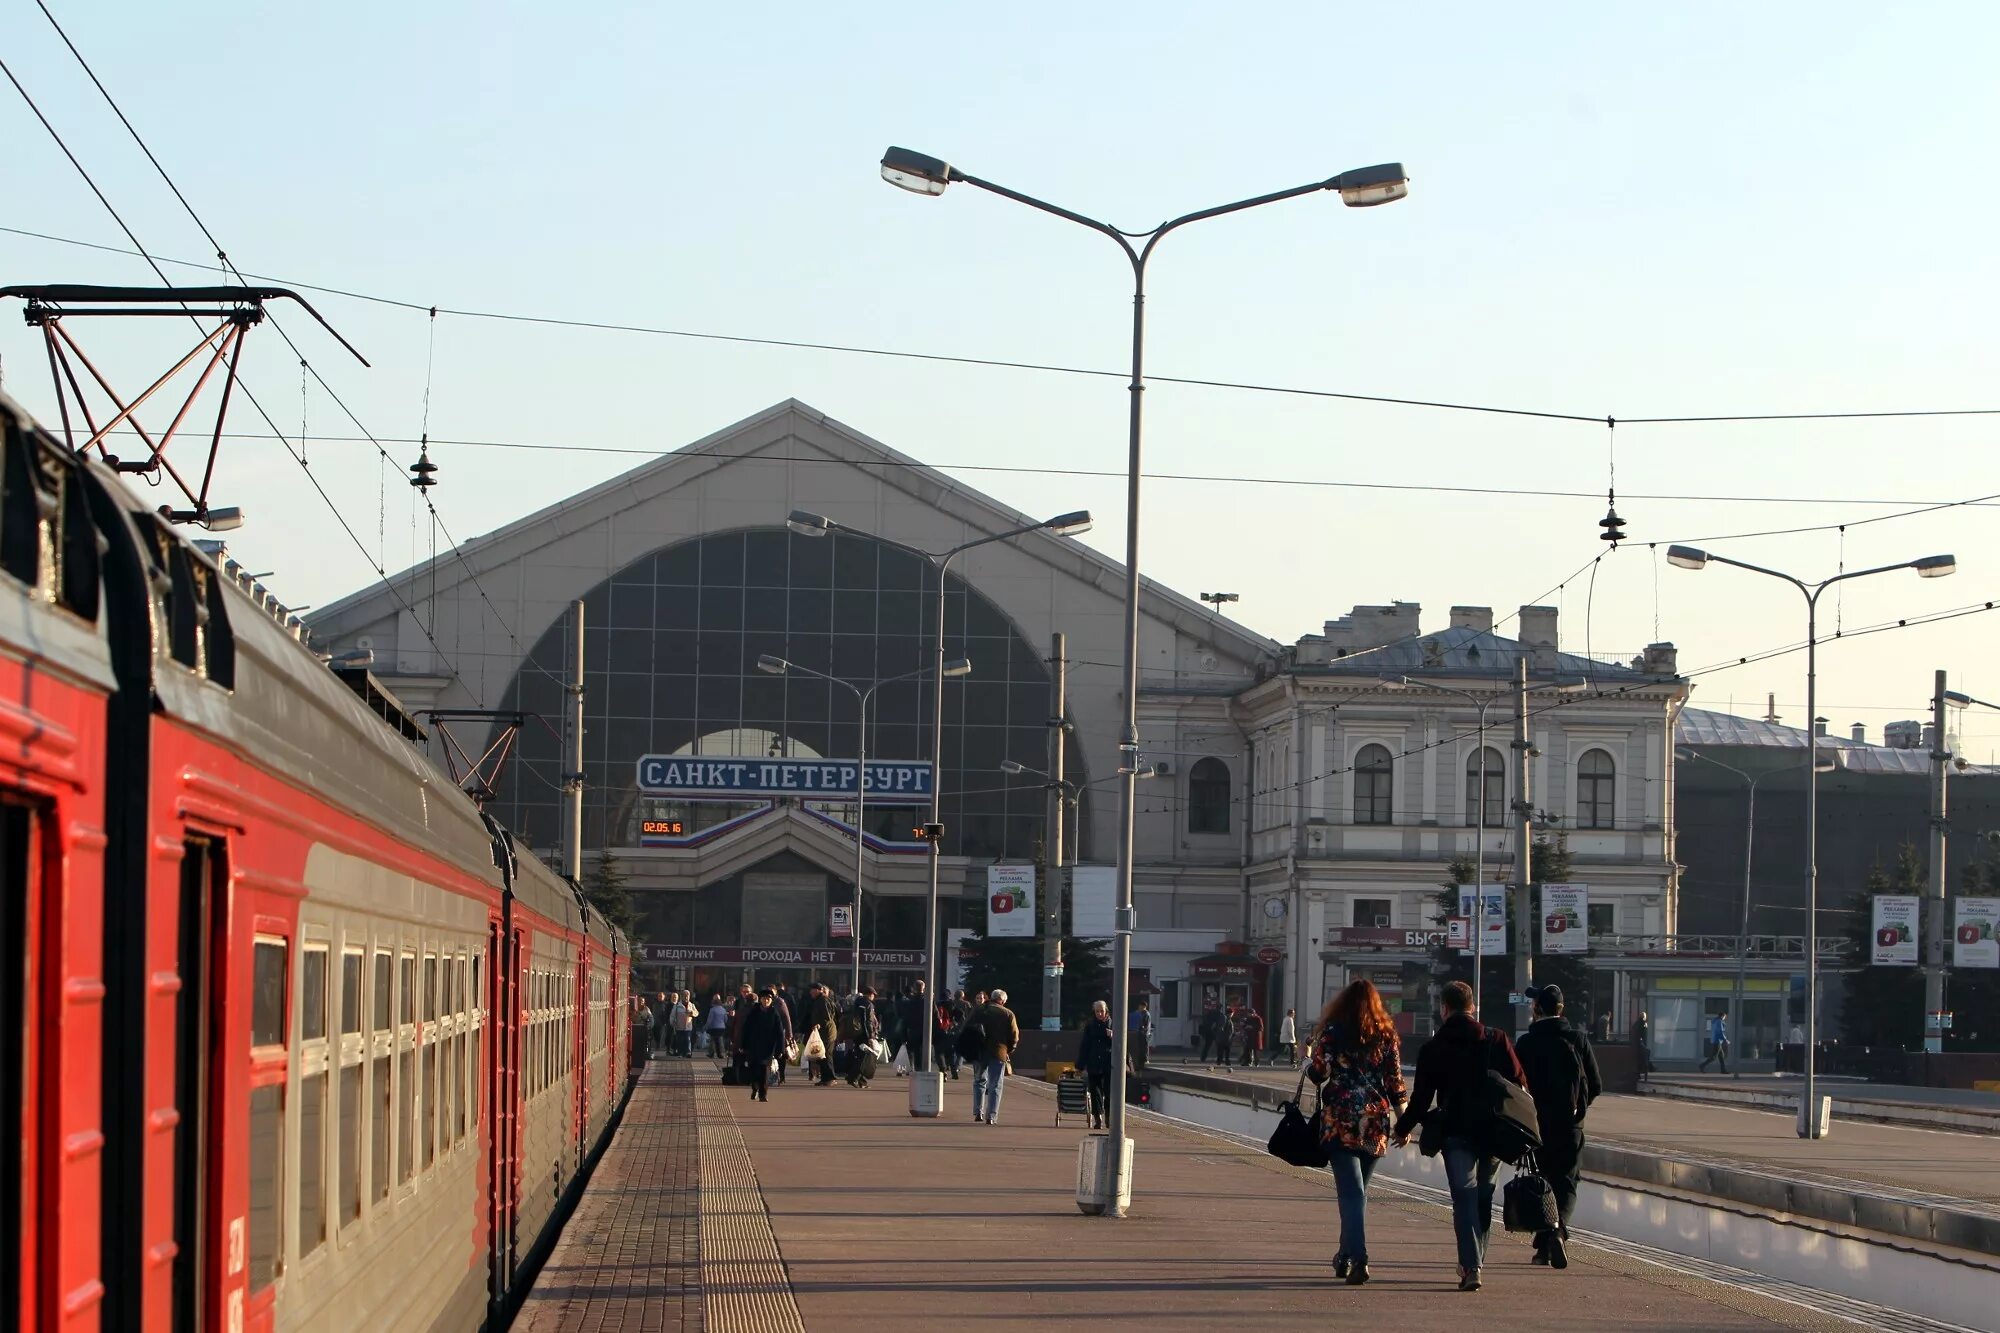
(1661, 659)
(1906, 735)
(1859, 731)
(1819, 726)
(1479, 618)
(1771, 709)
(1538, 635)
(1373, 626)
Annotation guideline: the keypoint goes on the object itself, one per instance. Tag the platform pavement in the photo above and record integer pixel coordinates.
(884, 1221)
(1934, 1163)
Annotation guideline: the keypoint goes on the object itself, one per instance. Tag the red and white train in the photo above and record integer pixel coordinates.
(293, 1037)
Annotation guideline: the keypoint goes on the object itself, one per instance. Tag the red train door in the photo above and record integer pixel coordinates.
(198, 957)
(23, 967)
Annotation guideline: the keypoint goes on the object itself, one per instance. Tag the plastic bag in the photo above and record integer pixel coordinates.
(815, 1046)
(902, 1065)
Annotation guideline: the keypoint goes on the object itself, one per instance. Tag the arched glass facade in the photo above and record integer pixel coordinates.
(671, 644)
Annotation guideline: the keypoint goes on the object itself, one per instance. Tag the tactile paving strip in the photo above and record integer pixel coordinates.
(743, 1282)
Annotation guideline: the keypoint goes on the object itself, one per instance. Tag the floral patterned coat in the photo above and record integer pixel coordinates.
(1361, 1092)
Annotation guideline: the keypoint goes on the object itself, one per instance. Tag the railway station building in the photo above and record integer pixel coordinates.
(1292, 833)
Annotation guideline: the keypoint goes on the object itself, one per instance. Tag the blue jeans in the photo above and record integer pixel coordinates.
(986, 1086)
(1351, 1171)
(1469, 1175)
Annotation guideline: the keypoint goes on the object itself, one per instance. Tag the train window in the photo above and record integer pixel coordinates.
(383, 979)
(312, 1161)
(183, 615)
(267, 993)
(406, 1089)
(427, 1132)
(312, 996)
(350, 1142)
(77, 568)
(378, 1128)
(430, 987)
(408, 1007)
(267, 1136)
(218, 639)
(478, 995)
(350, 991)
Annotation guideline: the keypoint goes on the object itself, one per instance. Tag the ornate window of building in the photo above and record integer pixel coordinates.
(1596, 791)
(1495, 783)
(1208, 797)
(1374, 784)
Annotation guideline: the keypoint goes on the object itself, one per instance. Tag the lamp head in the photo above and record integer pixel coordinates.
(1395, 682)
(919, 173)
(1687, 557)
(1571, 685)
(808, 524)
(958, 666)
(1012, 766)
(776, 666)
(1365, 187)
(1957, 700)
(1069, 525)
(1682, 752)
(1933, 566)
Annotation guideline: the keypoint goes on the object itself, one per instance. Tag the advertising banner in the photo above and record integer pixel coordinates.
(1494, 941)
(1093, 902)
(1973, 938)
(901, 960)
(1565, 918)
(1010, 902)
(1895, 939)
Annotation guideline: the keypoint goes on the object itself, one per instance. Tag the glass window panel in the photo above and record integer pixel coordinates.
(812, 561)
(384, 979)
(406, 1117)
(810, 611)
(631, 646)
(430, 987)
(767, 558)
(906, 612)
(680, 565)
(675, 609)
(427, 1136)
(312, 996)
(721, 610)
(722, 560)
(903, 571)
(378, 1127)
(267, 1144)
(854, 560)
(408, 1006)
(267, 993)
(312, 1161)
(350, 1143)
(631, 603)
(350, 992)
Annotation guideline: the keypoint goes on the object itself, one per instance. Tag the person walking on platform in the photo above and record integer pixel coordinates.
(1249, 1033)
(786, 1031)
(1451, 1070)
(759, 1040)
(1225, 1033)
(1642, 1049)
(951, 1014)
(684, 1020)
(1718, 1042)
(1288, 1037)
(716, 1025)
(819, 1023)
(1358, 1064)
(912, 1012)
(1139, 1042)
(654, 1015)
(1094, 1055)
(863, 1029)
(1562, 1075)
(1001, 1033)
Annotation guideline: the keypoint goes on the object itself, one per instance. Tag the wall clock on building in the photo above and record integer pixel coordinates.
(1274, 908)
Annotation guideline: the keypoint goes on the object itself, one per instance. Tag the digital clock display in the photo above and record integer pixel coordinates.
(663, 828)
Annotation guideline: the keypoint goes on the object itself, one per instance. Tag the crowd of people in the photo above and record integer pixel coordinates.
(1234, 1034)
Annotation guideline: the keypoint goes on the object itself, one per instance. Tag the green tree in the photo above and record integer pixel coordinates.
(1973, 993)
(604, 890)
(1550, 863)
(1883, 1006)
(1015, 966)
(1571, 971)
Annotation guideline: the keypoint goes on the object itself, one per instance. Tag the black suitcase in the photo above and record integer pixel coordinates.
(865, 1064)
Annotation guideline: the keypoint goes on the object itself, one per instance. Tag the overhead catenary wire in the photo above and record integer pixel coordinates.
(852, 349)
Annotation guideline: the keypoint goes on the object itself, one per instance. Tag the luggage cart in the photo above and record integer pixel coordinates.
(1072, 1098)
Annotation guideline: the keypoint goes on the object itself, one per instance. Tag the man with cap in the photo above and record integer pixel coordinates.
(1563, 1078)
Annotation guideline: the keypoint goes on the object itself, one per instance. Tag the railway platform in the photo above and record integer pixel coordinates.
(830, 1208)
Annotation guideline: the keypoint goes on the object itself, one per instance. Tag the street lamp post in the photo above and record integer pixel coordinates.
(925, 1088)
(1479, 876)
(1363, 187)
(778, 666)
(1930, 567)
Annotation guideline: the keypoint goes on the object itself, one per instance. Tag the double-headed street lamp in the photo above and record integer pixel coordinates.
(1363, 187)
(778, 666)
(926, 1090)
(1930, 567)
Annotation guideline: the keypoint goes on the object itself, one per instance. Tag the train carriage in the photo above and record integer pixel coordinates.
(316, 983)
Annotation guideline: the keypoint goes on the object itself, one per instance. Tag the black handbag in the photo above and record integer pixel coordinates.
(1296, 1139)
(1528, 1201)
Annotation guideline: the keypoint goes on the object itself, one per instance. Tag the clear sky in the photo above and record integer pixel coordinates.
(1636, 211)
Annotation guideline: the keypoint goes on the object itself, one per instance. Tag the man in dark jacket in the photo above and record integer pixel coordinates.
(1094, 1054)
(1563, 1078)
(1451, 1071)
(912, 1011)
(759, 1039)
(819, 1018)
(1002, 1033)
(951, 1014)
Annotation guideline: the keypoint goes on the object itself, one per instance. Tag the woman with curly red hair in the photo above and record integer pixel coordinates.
(1358, 1063)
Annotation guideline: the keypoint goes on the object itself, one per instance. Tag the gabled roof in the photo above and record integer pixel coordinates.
(794, 422)
(1464, 653)
(1704, 727)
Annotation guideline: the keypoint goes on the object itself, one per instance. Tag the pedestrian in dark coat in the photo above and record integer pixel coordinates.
(1451, 1068)
(758, 1041)
(1249, 1033)
(1562, 1076)
(819, 1018)
(1094, 1056)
